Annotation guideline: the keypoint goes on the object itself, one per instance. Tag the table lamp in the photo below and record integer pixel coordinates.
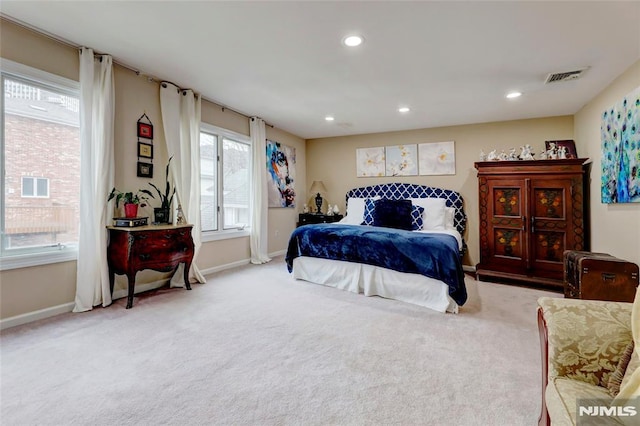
(318, 187)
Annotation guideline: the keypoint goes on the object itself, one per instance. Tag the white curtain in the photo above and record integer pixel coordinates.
(259, 209)
(181, 121)
(96, 179)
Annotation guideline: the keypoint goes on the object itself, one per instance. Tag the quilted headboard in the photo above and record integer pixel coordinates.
(401, 191)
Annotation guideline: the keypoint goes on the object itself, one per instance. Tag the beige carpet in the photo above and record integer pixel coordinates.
(255, 347)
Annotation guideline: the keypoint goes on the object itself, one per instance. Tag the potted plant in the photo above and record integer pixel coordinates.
(161, 214)
(131, 200)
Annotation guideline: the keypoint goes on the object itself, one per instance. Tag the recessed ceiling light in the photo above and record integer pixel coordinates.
(404, 109)
(353, 40)
(513, 95)
(329, 118)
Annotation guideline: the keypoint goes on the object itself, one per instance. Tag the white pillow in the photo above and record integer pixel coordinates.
(355, 210)
(434, 212)
(449, 216)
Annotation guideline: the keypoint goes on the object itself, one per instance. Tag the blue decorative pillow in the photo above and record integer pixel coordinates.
(417, 214)
(417, 217)
(393, 214)
(369, 207)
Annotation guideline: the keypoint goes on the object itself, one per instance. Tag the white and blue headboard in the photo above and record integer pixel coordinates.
(402, 191)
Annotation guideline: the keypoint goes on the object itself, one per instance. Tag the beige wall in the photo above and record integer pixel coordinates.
(615, 228)
(333, 160)
(30, 289)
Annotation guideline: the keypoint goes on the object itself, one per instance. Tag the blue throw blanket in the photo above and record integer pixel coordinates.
(432, 255)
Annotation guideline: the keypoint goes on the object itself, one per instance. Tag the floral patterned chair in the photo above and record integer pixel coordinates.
(583, 343)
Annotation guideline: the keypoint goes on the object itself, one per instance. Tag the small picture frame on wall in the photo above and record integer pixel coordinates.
(145, 130)
(145, 170)
(568, 144)
(145, 150)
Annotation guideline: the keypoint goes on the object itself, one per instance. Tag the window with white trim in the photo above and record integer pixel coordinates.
(225, 180)
(35, 187)
(40, 162)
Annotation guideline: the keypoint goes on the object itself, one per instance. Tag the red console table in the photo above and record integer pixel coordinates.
(158, 247)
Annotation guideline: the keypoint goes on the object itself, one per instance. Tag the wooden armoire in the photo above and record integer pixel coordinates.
(530, 213)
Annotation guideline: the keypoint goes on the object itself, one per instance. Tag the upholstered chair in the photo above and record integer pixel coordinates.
(590, 350)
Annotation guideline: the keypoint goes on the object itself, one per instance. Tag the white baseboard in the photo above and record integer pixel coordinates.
(224, 267)
(36, 315)
(469, 268)
(238, 263)
(68, 307)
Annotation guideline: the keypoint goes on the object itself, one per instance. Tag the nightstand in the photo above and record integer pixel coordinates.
(309, 218)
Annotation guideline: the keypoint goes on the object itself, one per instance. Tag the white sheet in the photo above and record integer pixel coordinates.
(376, 281)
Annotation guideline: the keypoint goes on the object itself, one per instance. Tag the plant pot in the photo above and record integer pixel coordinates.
(130, 210)
(161, 215)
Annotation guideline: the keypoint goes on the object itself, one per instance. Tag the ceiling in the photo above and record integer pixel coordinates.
(451, 62)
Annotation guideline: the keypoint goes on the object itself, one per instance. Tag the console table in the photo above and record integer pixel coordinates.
(158, 247)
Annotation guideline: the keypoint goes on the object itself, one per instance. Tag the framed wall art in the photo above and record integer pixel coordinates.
(281, 174)
(145, 170)
(370, 162)
(437, 158)
(145, 130)
(620, 145)
(145, 150)
(401, 160)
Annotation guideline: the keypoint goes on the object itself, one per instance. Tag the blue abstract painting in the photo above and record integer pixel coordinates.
(620, 142)
(281, 174)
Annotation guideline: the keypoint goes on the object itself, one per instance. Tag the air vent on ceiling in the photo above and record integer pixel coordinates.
(565, 76)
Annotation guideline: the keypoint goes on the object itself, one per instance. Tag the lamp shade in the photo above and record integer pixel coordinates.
(318, 187)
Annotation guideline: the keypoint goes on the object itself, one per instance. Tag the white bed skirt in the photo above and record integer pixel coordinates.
(375, 281)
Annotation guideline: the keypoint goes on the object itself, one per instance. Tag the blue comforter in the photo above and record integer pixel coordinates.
(432, 255)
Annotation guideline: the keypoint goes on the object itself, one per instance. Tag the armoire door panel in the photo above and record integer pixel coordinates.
(551, 208)
(507, 242)
(549, 202)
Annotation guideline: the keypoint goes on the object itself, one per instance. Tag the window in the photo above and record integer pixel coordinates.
(35, 187)
(225, 179)
(40, 160)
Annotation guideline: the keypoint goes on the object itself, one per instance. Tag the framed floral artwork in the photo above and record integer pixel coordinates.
(437, 158)
(370, 162)
(401, 160)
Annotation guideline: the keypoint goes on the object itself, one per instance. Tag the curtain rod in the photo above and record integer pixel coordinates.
(149, 78)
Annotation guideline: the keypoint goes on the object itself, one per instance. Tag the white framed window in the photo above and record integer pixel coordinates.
(225, 182)
(40, 162)
(35, 187)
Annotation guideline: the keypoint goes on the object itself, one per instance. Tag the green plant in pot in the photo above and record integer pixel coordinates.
(161, 214)
(130, 200)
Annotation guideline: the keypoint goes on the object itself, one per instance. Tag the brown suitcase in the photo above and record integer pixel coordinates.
(599, 276)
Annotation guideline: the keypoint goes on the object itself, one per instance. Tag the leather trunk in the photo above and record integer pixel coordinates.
(599, 276)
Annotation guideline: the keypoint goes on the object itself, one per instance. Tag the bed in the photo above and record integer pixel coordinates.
(378, 251)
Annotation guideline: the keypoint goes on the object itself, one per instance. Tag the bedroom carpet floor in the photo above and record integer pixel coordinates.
(253, 346)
